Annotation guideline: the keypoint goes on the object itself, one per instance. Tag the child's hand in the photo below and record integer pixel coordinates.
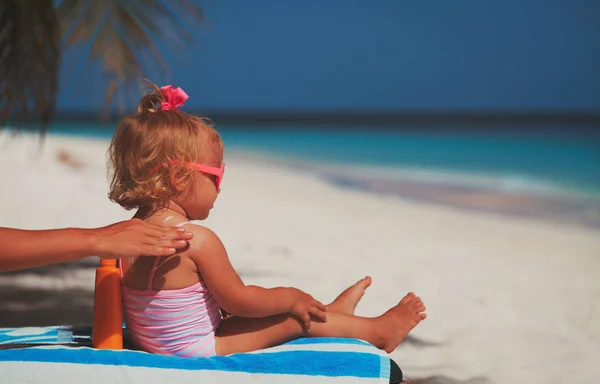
(305, 305)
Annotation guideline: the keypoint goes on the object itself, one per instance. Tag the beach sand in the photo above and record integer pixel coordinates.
(509, 299)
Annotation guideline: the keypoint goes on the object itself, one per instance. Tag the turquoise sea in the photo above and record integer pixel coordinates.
(507, 159)
(544, 173)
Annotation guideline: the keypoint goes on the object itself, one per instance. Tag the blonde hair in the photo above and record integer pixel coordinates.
(143, 145)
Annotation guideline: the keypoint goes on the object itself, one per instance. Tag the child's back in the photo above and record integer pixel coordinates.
(167, 307)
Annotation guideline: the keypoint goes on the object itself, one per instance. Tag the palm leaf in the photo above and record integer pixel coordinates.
(29, 61)
(121, 34)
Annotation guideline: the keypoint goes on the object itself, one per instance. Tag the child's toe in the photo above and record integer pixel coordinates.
(406, 300)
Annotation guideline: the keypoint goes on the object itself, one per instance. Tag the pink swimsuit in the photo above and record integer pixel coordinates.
(179, 322)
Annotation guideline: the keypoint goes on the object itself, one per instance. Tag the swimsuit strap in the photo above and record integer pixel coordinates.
(153, 271)
(157, 259)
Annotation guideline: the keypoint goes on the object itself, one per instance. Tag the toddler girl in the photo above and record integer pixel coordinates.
(168, 165)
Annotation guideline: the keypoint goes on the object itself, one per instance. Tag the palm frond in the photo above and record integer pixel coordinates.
(123, 35)
(29, 62)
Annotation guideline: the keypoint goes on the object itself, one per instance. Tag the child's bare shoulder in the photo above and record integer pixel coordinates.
(204, 240)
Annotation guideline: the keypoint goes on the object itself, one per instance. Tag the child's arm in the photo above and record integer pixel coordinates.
(21, 249)
(233, 295)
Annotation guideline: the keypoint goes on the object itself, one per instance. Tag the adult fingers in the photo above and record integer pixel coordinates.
(168, 232)
(153, 250)
(166, 243)
(155, 230)
(176, 233)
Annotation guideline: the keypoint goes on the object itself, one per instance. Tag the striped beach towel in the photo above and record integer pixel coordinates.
(50, 355)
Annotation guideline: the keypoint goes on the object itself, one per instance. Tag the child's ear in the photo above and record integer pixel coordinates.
(173, 180)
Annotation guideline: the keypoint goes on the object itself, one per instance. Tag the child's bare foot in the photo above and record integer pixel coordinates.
(346, 302)
(397, 322)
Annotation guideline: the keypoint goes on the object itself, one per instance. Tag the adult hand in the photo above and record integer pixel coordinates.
(135, 237)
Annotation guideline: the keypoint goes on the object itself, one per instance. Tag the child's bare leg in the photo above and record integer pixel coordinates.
(237, 334)
(346, 302)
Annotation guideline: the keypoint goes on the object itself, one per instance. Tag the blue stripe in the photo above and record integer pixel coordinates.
(384, 373)
(326, 340)
(289, 362)
(47, 334)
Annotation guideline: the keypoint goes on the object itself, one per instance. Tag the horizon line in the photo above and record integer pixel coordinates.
(370, 117)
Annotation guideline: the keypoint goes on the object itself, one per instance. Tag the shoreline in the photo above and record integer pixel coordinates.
(555, 205)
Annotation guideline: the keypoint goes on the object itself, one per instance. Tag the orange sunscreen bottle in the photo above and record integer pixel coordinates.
(107, 331)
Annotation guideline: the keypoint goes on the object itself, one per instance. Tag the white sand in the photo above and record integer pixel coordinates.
(509, 299)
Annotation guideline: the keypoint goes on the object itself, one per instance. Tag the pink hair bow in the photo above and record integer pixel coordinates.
(175, 97)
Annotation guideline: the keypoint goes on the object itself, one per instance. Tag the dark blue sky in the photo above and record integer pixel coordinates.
(387, 54)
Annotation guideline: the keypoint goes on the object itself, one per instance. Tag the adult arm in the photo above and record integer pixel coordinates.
(21, 249)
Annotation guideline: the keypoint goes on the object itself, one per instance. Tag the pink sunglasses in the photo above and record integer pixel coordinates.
(214, 171)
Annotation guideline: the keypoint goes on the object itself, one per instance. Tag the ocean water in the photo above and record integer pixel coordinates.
(558, 161)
